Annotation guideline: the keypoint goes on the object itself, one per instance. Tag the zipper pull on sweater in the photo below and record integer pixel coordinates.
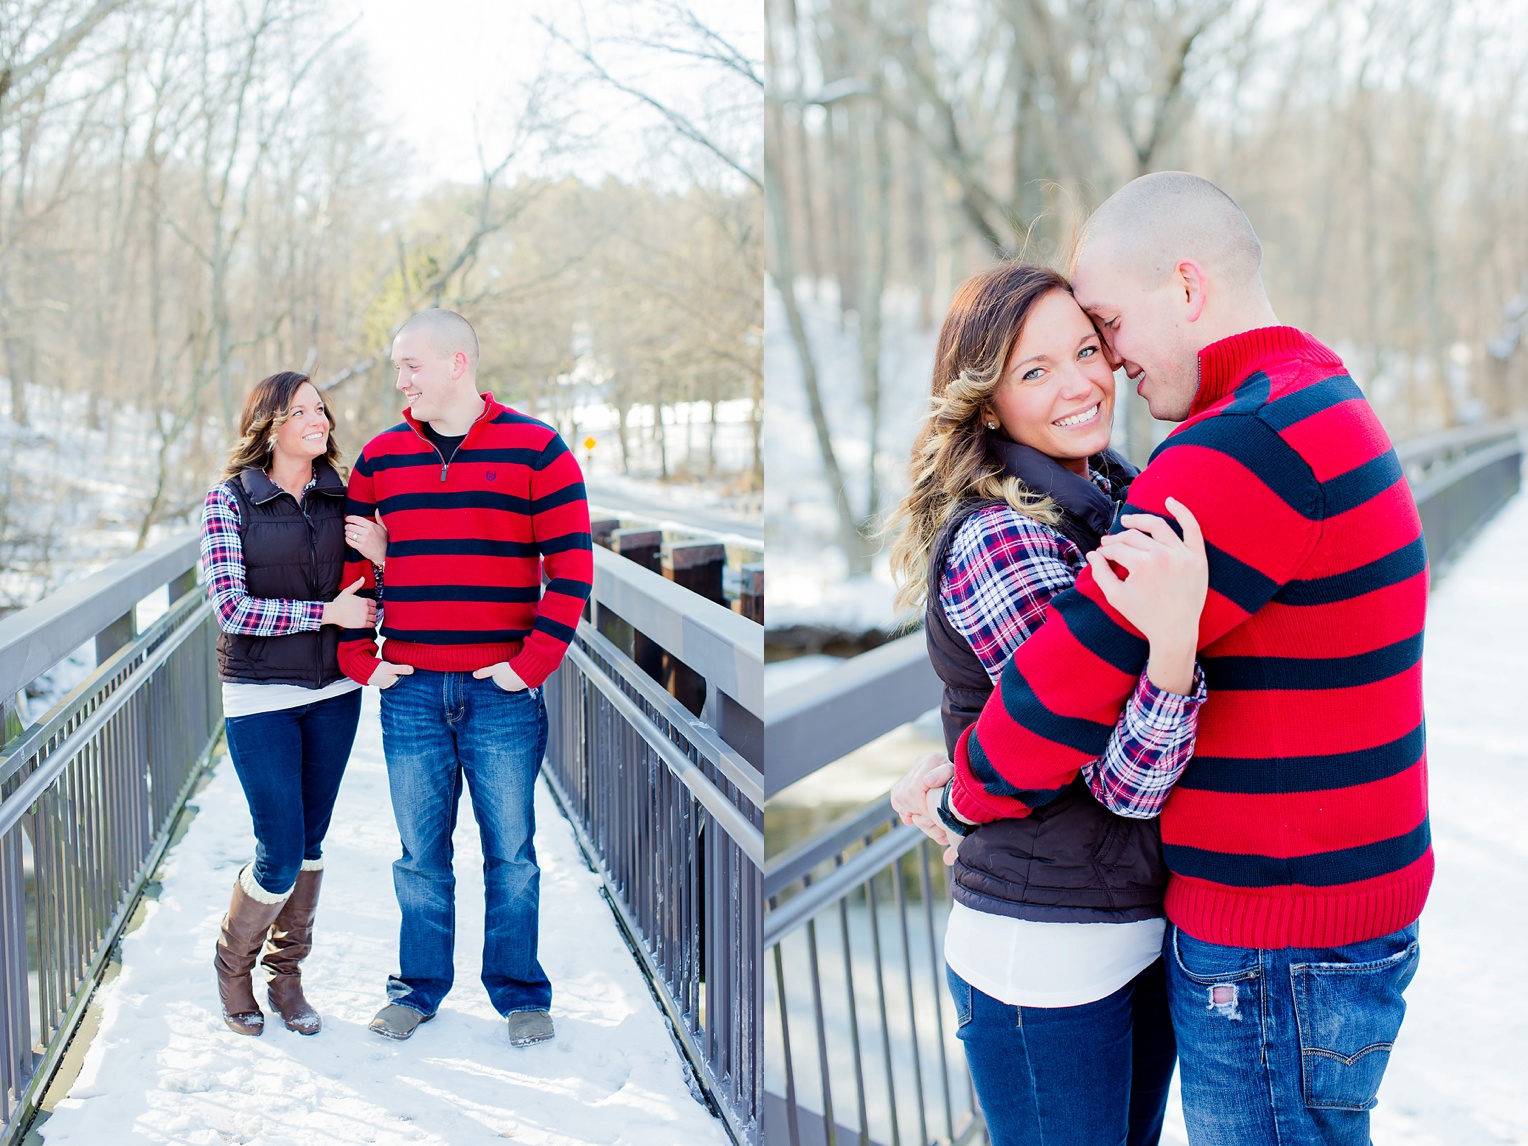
(443, 466)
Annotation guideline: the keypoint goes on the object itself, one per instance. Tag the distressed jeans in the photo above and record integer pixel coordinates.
(438, 729)
(1285, 1047)
(1091, 1075)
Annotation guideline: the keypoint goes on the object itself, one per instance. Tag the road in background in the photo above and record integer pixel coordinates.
(727, 527)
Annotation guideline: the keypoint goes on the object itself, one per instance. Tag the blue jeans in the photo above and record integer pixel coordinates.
(1285, 1047)
(438, 728)
(290, 763)
(1091, 1075)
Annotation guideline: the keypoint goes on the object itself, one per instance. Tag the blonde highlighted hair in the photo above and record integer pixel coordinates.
(951, 459)
(265, 411)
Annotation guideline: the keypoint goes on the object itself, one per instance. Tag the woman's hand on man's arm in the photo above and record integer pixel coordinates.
(367, 536)
(349, 611)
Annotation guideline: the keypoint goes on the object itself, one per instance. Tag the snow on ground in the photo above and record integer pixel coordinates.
(164, 1068)
(1457, 1076)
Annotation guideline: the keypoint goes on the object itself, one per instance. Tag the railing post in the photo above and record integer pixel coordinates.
(751, 600)
(697, 566)
(10, 718)
(645, 547)
(183, 584)
(117, 635)
(603, 531)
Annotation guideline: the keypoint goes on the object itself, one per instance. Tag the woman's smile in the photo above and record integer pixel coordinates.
(1081, 418)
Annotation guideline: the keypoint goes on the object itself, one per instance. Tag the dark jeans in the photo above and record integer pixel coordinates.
(1285, 1047)
(290, 763)
(439, 728)
(1091, 1075)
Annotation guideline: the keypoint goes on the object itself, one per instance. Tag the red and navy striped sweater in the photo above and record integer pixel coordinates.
(1301, 821)
(466, 545)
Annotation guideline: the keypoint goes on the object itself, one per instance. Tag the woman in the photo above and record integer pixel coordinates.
(1054, 940)
(273, 544)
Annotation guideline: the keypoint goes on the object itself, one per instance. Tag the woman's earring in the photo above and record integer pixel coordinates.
(991, 425)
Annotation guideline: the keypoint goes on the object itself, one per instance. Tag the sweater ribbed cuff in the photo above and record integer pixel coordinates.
(533, 668)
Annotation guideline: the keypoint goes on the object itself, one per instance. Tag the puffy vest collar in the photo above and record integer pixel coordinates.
(261, 490)
(1074, 493)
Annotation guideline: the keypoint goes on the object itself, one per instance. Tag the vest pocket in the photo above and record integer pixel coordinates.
(1111, 844)
(1348, 1015)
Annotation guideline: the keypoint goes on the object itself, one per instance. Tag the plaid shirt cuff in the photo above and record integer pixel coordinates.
(1149, 749)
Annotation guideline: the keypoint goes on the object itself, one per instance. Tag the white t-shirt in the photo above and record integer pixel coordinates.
(1028, 964)
(242, 698)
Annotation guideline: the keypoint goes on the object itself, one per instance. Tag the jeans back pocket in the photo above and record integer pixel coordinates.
(1348, 1016)
(960, 992)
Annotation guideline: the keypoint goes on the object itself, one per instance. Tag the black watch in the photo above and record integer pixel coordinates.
(949, 819)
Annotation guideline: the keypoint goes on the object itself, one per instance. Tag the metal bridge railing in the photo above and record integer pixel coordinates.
(1460, 477)
(89, 793)
(858, 1025)
(668, 806)
(854, 937)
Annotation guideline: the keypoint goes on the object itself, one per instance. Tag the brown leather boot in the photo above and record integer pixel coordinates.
(250, 914)
(290, 941)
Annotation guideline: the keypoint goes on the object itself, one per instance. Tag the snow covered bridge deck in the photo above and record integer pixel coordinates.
(1457, 1074)
(162, 1067)
(651, 894)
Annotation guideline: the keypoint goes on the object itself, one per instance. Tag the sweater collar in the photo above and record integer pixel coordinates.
(1044, 474)
(261, 489)
(1225, 365)
(491, 410)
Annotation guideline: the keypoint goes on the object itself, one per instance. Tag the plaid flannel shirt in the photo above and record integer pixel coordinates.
(1002, 570)
(223, 568)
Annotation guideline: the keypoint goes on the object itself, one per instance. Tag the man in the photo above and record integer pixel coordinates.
(476, 499)
(1297, 838)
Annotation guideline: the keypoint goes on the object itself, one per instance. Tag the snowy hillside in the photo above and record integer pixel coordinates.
(807, 574)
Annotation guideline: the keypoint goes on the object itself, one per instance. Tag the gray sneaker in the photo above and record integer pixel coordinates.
(398, 1022)
(527, 1027)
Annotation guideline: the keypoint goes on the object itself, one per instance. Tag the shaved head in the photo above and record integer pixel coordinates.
(1168, 265)
(445, 332)
(1152, 223)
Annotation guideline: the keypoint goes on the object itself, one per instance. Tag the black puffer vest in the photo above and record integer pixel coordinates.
(295, 551)
(1071, 860)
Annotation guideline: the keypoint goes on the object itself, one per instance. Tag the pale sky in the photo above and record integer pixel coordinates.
(442, 65)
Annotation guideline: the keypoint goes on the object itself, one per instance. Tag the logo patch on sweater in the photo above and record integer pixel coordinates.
(491, 474)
